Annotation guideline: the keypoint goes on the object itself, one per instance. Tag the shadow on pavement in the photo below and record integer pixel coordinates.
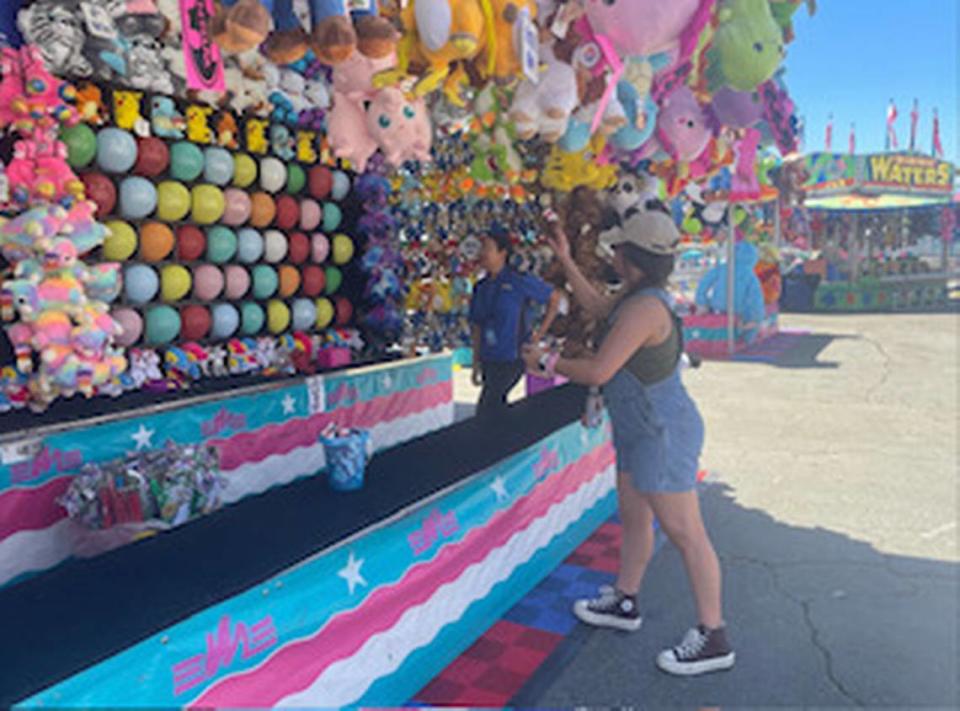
(791, 350)
(817, 619)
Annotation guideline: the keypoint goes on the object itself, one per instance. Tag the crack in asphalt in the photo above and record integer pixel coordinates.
(815, 639)
(887, 362)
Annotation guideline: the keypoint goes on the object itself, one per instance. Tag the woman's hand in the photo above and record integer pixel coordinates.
(558, 241)
(531, 357)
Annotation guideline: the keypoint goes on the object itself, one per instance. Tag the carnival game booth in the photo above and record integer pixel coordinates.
(308, 597)
(228, 230)
(881, 231)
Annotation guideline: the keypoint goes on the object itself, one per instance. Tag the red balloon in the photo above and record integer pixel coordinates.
(153, 157)
(191, 243)
(320, 181)
(298, 248)
(314, 281)
(101, 190)
(288, 212)
(344, 311)
(195, 322)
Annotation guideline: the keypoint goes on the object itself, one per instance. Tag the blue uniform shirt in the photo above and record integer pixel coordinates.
(499, 309)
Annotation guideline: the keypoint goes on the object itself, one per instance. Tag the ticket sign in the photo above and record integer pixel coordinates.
(908, 173)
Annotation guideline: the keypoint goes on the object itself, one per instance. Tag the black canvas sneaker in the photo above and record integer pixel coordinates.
(701, 651)
(610, 609)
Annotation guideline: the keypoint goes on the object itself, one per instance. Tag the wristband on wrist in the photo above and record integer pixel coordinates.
(550, 364)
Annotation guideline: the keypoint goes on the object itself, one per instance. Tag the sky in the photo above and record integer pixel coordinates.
(853, 56)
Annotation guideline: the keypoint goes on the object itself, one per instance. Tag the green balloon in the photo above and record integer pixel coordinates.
(163, 325)
(221, 244)
(265, 281)
(81, 144)
(296, 178)
(252, 318)
(334, 280)
(186, 161)
(332, 216)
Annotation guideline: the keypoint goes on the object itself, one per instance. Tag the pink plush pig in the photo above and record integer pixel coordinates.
(400, 127)
(347, 130)
(353, 77)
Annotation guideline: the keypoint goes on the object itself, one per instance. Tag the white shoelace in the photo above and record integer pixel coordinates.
(692, 644)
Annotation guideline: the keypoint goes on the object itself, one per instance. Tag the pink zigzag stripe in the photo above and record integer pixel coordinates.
(36, 508)
(252, 447)
(295, 666)
(32, 509)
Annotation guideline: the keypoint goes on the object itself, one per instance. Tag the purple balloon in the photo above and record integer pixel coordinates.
(737, 109)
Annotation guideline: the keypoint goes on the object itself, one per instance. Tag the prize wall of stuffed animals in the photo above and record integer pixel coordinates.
(216, 140)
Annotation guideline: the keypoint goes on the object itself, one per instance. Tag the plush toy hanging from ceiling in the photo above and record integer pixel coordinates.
(443, 36)
(747, 48)
(338, 29)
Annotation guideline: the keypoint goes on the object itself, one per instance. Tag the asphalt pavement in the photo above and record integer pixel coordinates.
(832, 502)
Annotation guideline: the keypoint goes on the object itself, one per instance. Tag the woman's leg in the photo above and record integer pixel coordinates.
(636, 549)
(679, 515)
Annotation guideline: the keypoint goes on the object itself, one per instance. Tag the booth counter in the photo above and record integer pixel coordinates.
(306, 597)
(266, 435)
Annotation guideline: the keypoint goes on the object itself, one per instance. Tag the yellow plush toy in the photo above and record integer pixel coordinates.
(502, 59)
(442, 35)
(566, 171)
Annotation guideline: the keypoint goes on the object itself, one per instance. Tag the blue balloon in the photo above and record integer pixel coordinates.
(218, 166)
(249, 245)
(304, 314)
(341, 185)
(226, 321)
(140, 283)
(138, 198)
(116, 150)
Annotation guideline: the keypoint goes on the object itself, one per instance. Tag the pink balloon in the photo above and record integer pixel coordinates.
(310, 214)
(207, 282)
(237, 207)
(238, 282)
(132, 326)
(319, 248)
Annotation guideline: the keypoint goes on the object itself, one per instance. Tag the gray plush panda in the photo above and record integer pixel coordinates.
(630, 194)
(141, 32)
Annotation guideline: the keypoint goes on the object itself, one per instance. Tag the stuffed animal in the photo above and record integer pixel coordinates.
(90, 104)
(748, 296)
(544, 108)
(747, 47)
(502, 58)
(347, 132)
(400, 128)
(683, 131)
(445, 36)
(165, 119)
(140, 27)
(336, 34)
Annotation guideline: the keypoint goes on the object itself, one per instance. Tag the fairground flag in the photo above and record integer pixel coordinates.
(891, 126)
(937, 145)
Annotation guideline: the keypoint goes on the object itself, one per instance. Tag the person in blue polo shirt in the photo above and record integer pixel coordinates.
(500, 319)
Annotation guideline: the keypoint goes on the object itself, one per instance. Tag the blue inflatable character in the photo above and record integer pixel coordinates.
(747, 295)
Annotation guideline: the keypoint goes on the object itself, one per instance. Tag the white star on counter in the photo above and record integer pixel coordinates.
(387, 382)
(143, 437)
(499, 487)
(584, 436)
(352, 573)
(288, 404)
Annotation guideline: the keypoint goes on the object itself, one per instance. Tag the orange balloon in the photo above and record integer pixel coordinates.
(262, 210)
(289, 281)
(156, 241)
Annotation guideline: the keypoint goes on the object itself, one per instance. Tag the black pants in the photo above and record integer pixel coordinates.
(498, 381)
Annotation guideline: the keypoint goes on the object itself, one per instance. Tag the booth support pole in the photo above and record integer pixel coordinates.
(731, 281)
(853, 246)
